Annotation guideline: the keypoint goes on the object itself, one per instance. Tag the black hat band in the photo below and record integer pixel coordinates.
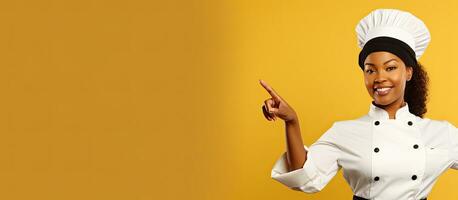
(389, 44)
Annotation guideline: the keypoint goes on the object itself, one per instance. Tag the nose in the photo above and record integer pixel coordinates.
(380, 77)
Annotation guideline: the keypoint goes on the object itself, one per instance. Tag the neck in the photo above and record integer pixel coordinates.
(393, 107)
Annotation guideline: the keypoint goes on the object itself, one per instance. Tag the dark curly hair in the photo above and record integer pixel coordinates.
(416, 91)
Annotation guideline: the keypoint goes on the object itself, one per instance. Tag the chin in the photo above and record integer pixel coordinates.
(383, 101)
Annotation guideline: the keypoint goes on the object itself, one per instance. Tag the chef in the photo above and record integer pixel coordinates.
(391, 153)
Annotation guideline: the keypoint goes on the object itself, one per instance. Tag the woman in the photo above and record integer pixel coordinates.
(391, 153)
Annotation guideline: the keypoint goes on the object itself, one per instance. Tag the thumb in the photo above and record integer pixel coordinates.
(274, 111)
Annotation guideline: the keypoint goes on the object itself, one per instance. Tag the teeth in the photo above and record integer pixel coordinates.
(382, 89)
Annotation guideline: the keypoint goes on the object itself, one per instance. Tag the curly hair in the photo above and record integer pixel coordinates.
(416, 91)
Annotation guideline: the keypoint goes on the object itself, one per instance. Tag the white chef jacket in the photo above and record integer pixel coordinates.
(381, 158)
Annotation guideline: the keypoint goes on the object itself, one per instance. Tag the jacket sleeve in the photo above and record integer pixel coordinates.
(319, 168)
(454, 146)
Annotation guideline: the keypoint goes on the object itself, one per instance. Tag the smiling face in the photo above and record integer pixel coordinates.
(385, 76)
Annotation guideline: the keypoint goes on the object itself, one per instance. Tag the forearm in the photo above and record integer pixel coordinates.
(296, 153)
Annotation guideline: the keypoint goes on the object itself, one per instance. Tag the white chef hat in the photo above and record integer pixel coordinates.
(395, 31)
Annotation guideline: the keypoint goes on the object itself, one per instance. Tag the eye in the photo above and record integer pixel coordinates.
(369, 71)
(391, 68)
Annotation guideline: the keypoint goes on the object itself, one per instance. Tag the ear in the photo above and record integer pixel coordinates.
(409, 72)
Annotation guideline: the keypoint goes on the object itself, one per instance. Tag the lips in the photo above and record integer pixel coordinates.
(382, 90)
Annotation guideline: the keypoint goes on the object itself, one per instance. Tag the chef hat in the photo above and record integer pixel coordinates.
(398, 32)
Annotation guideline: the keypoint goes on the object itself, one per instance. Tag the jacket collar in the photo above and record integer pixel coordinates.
(381, 114)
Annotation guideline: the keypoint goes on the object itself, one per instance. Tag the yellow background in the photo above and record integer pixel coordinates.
(142, 100)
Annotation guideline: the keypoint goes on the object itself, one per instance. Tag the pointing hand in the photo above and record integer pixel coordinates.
(276, 106)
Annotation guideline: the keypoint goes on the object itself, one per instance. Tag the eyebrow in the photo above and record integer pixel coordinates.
(383, 63)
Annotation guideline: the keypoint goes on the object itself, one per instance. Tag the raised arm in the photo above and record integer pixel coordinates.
(301, 168)
(275, 107)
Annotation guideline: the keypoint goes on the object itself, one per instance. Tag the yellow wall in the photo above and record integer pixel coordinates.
(160, 100)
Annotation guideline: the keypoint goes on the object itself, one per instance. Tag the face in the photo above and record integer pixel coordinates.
(385, 76)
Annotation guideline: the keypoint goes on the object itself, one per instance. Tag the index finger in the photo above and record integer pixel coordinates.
(270, 90)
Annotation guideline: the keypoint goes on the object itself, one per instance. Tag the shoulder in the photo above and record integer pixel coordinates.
(351, 124)
(426, 123)
(439, 133)
(349, 128)
(444, 124)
